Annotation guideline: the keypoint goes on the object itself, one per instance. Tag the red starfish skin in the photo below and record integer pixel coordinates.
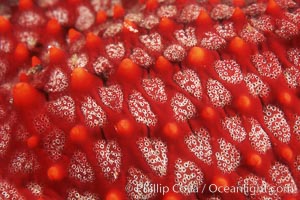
(150, 99)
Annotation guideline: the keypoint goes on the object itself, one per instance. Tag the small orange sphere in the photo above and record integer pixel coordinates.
(55, 173)
(238, 15)
(128, 71)
(243, 103)
(171, 196)
(286, 153)
(5, 25)
(166, 25)
(56, 55)
(285, 98)
(25, 4)
(33, 141)
(78, 134)
(220, 181)
(124, 127)
(204, 19)
(101, 17)
(35, 61)
(119, 11)
(151, 4)
(171, 130)
(273, 8)
(21, 53)
(53, 27)
(92, 41)
(254, 160)
(114, 195)
(197, 56)
(81, 79)
(162, 65)
(238, 45)
(25, 95)
(208, 113)
(73, 35)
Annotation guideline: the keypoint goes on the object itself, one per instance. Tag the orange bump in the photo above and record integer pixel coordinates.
(55, 173)
(101, 17)
(119, 11)
(208, 113)
(243, 102)
(25, 4)
(286, 153)
(78, 134)
(197, 56)
(25, 95)
(92, 41)
(166, 25)
(162, 65)
(220, 181)
(32, 141)
(151, 4)
(53, 27)
(124, 127)
(254, 160)
(56, 55)
(21, 53)
(4, 25)
(204, 18)
(171, 130)
(114, 195)
(237, 45)
(73, 35)
(273, 7)
(238, 15)
(81, 79)
(285, 98)
(128, 70)
(35, 61)
(171, 196)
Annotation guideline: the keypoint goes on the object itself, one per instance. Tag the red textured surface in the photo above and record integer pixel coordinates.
(98, 98)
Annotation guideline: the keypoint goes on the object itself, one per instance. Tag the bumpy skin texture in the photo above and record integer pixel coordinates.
(100, 101)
